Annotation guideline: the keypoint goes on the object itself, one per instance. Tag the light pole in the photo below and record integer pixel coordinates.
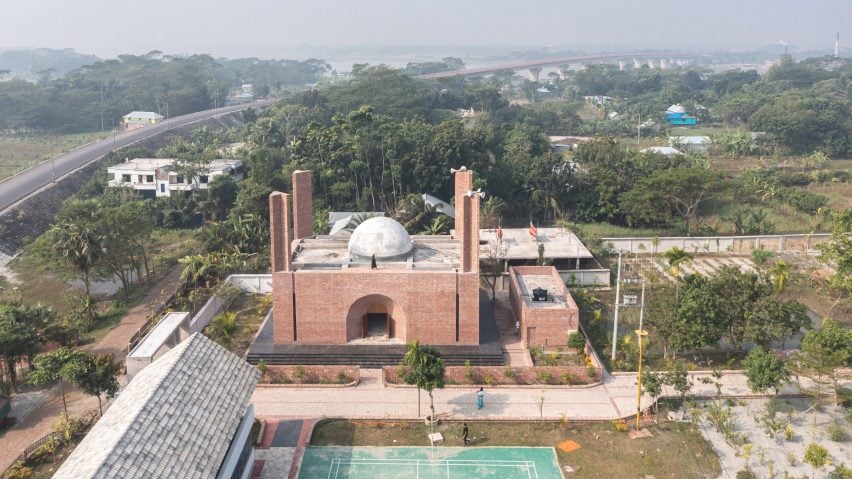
(641, 334)
(617, 302)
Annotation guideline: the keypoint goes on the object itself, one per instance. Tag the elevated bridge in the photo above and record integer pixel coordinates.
(663, 59)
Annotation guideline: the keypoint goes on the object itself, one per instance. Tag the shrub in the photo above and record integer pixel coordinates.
(509, 372)
(490, 380)
(566, 378)
(592, 372)
(836, 432)
(746, 474)
(552, 359)
(342, 378)
(299, 373)
(789, 433)
(535, 352)
(544, 376)
(760, 256)
(19, 471)
(620, 425)
(400, 372)
(468, 371)
(577, 341)
(261, 366)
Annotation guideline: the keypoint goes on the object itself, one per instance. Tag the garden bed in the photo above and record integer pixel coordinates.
(507, 376)
(314, 375)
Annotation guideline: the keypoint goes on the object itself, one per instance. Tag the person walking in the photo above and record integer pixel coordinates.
(517, 327)
(464, 434)
(480, 399)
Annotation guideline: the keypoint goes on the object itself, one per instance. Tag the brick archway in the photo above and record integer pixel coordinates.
(375, 303)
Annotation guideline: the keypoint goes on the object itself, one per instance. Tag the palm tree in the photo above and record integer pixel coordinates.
(223, 328)
(79, 242)
(780, 273)
(414, 213)
(439, 225)
(677, 259)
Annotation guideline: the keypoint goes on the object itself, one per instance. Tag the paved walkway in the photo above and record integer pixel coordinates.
(513, 348)
(36, 414)
(614, 399)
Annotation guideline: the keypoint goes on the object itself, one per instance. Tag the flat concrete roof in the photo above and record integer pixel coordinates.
(529, 282)
(149, 346)
(440, 253)
(519, 244)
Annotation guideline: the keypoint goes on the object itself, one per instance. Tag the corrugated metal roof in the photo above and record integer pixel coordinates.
(176, 418)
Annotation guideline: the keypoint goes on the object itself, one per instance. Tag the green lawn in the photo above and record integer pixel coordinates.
(674, 450)
(18, 152)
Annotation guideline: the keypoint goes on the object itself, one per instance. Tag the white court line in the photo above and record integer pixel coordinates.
(530, 466)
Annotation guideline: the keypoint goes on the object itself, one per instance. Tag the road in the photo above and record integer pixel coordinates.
(20, 186)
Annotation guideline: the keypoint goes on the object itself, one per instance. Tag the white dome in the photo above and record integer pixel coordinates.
(380, 236)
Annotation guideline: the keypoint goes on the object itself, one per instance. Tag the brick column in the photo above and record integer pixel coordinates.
(279, 228)
(463, 184)
(472, 235)
(303, 208)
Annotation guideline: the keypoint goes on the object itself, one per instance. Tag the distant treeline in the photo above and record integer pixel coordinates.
(95, 96)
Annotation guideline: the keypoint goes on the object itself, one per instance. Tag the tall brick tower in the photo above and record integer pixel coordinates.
(303, 208)
(467, 232)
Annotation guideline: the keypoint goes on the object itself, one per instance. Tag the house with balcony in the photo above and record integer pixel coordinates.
(157, 177)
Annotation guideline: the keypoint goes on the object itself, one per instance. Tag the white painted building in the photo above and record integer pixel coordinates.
(138, 119)
(155, 176)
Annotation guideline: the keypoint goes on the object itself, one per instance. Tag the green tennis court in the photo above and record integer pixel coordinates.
(429, 463)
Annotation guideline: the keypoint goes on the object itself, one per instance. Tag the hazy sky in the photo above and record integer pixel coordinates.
(262, 27)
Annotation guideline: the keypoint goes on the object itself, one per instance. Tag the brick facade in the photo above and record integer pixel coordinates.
(329, 305)
(303, 208)
(552, 325)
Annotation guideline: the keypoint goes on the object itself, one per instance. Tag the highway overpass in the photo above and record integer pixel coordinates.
(535, 66)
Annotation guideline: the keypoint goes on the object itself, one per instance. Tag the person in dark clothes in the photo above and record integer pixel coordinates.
(373, 263)
(464, 434)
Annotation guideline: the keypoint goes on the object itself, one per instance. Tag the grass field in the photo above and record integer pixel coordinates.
(674, 450)
(19, 152)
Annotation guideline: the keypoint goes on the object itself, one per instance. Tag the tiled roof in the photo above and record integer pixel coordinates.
(176, 418)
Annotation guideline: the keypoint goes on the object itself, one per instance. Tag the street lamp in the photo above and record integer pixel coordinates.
(641, 333)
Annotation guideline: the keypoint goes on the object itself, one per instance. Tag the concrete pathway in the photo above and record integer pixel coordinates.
(614, 399)
(36, 413)
(514, 350)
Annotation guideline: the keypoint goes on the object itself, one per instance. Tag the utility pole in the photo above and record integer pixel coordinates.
(617, 302)
(642, 305)
(641, 334)
(639, 132)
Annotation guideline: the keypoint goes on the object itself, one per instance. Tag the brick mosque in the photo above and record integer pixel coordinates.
(360, 298)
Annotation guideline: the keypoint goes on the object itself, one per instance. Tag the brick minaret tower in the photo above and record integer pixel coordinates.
(303, 208)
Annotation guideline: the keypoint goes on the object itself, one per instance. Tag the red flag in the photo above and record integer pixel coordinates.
(533, 231)
(499, 233)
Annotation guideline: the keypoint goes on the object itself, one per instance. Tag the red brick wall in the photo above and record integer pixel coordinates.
(329, 305)
(552, 325)
(496, 375)
(303, 210)
(279, 228)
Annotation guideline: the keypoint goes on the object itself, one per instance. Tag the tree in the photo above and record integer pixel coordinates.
(223, 328)
(59, 366)
(98, 377)
(79, 242)
(764, 370)
(817, 456)
(838, 251)
(425, 369)
(822, 352)
(678, 378)
(652, 384)
(17, 339)
(780, 273)
(491, 266)
(577, 341)
(677, 259)
(668, 193)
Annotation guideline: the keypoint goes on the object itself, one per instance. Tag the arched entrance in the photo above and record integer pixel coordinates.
(375, 317)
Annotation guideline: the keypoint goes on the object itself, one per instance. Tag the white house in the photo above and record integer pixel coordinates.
(155, 176)
(695, 144)
(662, 150)
(138, 119)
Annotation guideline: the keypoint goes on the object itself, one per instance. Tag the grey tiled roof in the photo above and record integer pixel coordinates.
(175, 419)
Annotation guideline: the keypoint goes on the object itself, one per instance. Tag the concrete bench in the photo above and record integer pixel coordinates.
(435, 437)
